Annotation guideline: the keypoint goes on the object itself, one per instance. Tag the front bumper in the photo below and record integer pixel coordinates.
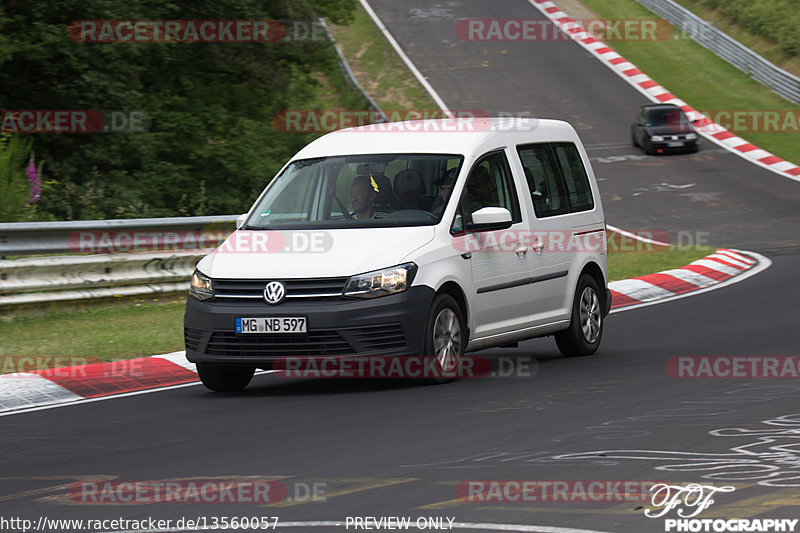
(689, 146)
(339, 327)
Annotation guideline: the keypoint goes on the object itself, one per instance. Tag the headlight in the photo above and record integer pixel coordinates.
(202, 287)
(656, 138)
(381, 282)
(691, 136)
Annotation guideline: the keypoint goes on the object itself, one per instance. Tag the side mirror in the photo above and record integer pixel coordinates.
(490, 218)
(240, 220)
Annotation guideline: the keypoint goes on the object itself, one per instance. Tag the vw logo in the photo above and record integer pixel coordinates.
(274, 292)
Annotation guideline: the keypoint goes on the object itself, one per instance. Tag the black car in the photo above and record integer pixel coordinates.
(661, 128)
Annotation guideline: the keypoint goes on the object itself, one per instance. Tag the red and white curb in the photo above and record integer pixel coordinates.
(26, 390)
(723, 267)
(44, 389)
(656, 93)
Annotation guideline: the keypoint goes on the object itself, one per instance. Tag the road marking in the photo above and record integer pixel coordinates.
(407, 60)
(361, 484)
(634, 236)
(757, 505)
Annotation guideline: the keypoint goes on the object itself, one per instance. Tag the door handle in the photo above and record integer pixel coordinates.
(521, 250)
(537, 246)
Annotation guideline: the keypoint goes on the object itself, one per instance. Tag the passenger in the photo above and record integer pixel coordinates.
(363, 192)
(445, 183)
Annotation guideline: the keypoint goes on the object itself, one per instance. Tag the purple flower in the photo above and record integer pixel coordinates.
(35, 179)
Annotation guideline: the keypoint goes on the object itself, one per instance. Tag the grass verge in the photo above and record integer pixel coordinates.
(79, 333)
(700, 78)
(378, 68)
(626, 264)
(763, 45)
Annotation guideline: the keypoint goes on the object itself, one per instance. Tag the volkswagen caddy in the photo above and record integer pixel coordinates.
(427, 238)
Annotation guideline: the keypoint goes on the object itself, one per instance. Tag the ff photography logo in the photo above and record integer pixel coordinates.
(692, 500)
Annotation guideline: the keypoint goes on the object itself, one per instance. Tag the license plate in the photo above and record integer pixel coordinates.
(675, 145)
(282, 324)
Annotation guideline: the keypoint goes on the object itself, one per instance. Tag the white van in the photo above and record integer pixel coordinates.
(422, 239)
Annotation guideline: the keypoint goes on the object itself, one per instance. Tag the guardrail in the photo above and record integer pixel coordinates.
(154, 255)
(735, 53)
(32, 238)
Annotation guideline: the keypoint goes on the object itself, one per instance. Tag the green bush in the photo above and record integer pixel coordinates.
(777, 20)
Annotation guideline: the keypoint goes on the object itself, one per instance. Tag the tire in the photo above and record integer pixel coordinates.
(648, 148)
(585, 330)
(223, 378)
(633, 139)
(445, 338)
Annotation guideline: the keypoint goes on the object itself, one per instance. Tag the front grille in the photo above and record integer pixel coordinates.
(305, 289)
(378, 337)
(364, 340)
(314, 343)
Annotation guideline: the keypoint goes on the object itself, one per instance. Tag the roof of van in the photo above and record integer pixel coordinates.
(439, 136)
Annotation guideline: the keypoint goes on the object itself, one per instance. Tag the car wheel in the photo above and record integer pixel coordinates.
(633, 139)
(648, 147)
(445, 338)
(225, 378)
(585, 330)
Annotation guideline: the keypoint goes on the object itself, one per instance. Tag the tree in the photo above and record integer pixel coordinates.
(209, 145)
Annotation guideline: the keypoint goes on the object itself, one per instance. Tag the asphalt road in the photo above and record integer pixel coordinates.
(394, 448)
(711, 195)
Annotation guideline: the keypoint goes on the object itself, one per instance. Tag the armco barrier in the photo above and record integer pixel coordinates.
(738, 55)
(101, 275)
(32, 238)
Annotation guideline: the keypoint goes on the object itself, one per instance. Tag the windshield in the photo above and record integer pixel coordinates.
(378, 190)
(666, 116)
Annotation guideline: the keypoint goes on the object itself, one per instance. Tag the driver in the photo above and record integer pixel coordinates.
(363, 192)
